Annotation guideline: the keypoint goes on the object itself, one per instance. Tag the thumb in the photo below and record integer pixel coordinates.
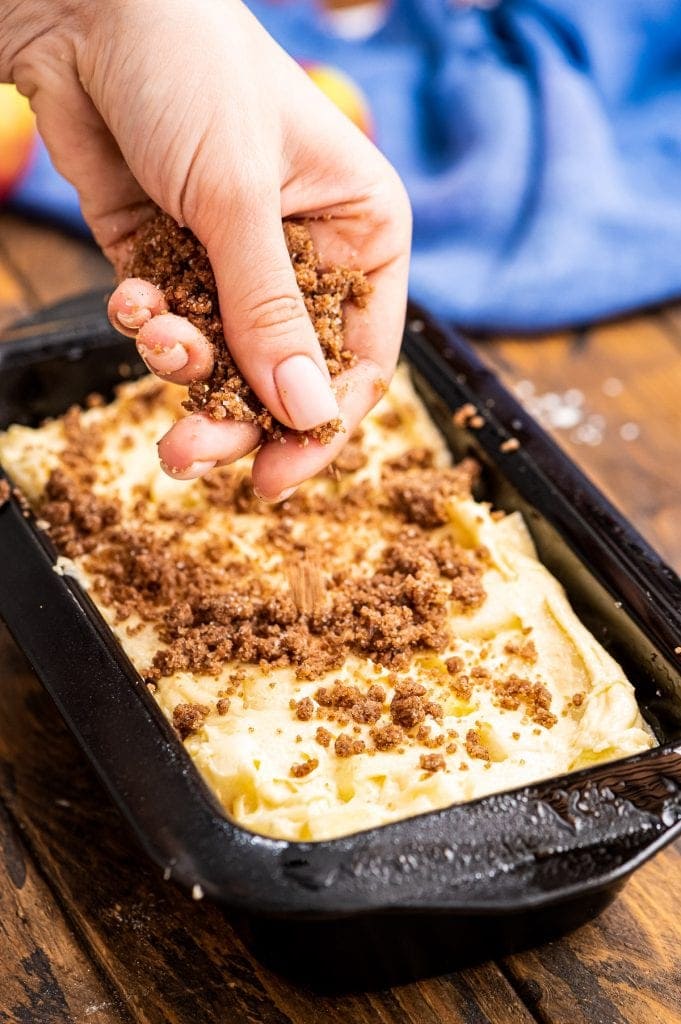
(266, 324)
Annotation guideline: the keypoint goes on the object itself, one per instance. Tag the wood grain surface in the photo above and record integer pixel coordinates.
(639, 359)
(89, 931)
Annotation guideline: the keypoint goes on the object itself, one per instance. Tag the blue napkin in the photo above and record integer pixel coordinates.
(540, 141)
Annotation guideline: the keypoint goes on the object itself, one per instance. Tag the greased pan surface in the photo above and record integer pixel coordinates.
(566, 841)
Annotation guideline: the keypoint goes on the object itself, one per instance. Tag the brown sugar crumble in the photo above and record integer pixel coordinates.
(462, 687)
(475, 747)
(188, 718)
(304, 709)
(425, 736)
(299, 771)
(366, 711)
(387, 613)
(323, 736)
(407, 708)
(515, 691)
(387, 737)
(206, 606)
(432, 762)
(345, 746)
(526, 650)
(173, 259)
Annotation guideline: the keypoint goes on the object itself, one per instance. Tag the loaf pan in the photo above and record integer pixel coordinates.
(414, 896)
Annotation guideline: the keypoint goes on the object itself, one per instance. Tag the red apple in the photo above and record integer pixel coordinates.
(17, 136)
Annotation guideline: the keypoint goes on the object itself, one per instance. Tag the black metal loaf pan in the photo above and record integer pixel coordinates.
(421, 894)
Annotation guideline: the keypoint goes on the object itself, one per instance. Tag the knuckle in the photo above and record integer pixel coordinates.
(277, 313)
(389, 201)
(217, 200)
(403, 204)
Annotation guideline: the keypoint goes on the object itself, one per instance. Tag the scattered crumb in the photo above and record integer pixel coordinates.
(304, 709)
(345, 746)
(475, 747)
(526, 650)
(387, 737)
(323, 736)
(299, 771)
(463, 414)
(432, 762)
(188, 718)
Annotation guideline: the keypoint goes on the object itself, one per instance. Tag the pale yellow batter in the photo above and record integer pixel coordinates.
(251, 751)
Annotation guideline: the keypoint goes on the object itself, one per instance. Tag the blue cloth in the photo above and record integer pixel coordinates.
(44, 192)
(540, 141)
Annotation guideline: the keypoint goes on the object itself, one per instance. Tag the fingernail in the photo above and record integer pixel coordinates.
(287, 493)
(190, 472)
(305, 392)
(135, 318)
(166, 360)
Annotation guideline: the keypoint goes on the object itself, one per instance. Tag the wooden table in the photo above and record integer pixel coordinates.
(89, 932)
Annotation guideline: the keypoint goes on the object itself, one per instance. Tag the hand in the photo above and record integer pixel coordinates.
(197, 109)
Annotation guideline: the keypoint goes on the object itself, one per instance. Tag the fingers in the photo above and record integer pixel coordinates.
(375, 234)
(170, 345)
(268, 330)
(374, 333)
(197, 443)
(174, 349)
(133, 303)
(305, 392)
(281, 466)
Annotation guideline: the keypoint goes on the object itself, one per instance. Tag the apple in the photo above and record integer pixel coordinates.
(17, 136)
(345, 93)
